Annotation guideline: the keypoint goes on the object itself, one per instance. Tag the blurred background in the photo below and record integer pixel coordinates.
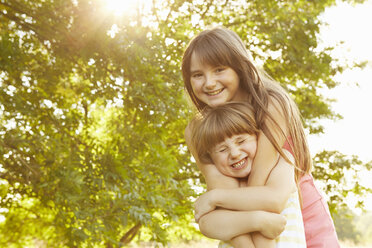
(93, 110)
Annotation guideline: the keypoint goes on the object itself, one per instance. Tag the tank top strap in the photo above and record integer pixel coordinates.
(287, 145)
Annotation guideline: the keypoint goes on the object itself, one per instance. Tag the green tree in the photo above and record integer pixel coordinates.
(354, 227)
(92, 112)
(340, 175)
(345, 221)
(92, 129)
(363, 225)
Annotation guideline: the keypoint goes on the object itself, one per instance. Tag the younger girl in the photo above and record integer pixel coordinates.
(227, 137)
(217, 69)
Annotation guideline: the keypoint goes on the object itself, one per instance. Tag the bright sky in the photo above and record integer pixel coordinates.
(352, 135)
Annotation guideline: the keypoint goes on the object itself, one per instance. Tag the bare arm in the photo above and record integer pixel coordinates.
(267, 156)
(272, 197)
(215, 223)
(226, 224)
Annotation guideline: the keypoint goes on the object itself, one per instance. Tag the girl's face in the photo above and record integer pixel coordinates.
(234, 156)
(214, 85)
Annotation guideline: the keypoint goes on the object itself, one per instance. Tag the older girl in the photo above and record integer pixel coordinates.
(217, 69)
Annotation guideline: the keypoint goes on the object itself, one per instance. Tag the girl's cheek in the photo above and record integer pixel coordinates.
(254, 149)
(195, 83)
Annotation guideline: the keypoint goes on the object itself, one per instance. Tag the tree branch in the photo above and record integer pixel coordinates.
(128, 237)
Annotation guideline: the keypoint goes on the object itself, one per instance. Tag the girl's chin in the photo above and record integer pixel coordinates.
(243, 173)
(216, 102)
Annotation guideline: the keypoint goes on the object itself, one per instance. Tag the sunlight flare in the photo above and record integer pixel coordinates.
(122, 7)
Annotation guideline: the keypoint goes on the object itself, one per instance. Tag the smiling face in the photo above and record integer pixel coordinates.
(234, 156)
(214, 85)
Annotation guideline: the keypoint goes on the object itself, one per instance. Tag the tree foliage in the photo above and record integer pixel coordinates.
(345, 222)
(92, 112)
(352, 227)
(340, 177)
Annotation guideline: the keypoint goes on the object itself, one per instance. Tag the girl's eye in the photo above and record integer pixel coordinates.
(240, 141)
(220, 69)
(222, 149)
(196, 75)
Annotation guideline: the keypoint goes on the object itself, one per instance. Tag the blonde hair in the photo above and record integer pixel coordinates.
(214, 125)
(220, 46)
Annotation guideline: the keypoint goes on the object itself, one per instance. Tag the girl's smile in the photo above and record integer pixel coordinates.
(214, 85)
(215, 92)
(239, 165)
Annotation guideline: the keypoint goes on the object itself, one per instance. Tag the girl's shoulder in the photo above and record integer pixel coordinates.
(191, 126)
(188, 133)
(279, 114)
(278, 105)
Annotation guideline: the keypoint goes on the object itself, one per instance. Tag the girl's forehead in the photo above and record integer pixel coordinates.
(198, 63)
(195, 60)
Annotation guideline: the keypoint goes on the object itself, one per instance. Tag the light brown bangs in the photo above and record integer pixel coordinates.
(212, 51)
(222, 124)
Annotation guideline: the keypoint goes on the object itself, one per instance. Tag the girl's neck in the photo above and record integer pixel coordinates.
(242, 96)
(243, 182)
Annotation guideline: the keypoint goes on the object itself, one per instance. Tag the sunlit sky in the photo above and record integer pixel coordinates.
(353, 134)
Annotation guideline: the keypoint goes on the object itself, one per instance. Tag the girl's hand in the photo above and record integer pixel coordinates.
(205, 204)
(272, 225)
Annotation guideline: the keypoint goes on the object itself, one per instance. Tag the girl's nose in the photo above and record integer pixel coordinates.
(234, 152)
(210, 83)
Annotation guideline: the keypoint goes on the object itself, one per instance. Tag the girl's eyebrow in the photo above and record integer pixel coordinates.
(242, 136)
(194, 71)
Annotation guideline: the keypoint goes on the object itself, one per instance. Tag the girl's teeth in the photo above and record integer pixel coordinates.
(239, 164)
(213, 93)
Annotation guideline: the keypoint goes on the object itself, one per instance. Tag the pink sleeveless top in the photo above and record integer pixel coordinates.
(319, 228)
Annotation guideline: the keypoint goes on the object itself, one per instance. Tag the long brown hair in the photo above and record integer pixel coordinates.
(220, 46)
(216, 124)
